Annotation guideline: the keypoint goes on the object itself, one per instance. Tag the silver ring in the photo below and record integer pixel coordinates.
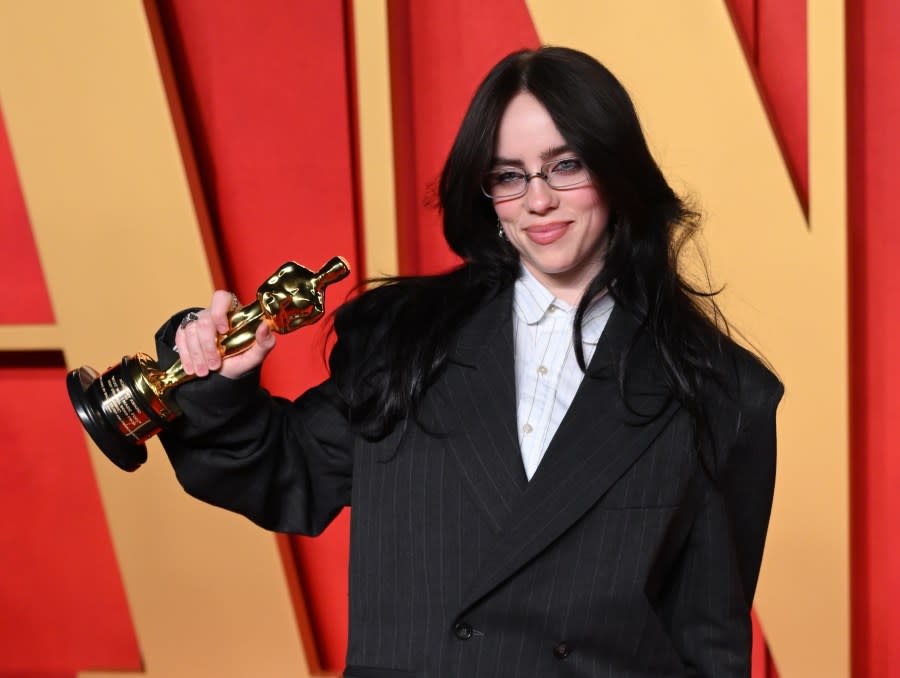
(188, 319)
(235, 303)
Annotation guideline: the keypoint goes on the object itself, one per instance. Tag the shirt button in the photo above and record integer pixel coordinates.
(527, 428)
(542, 370)
(462, 630)
(561, 651)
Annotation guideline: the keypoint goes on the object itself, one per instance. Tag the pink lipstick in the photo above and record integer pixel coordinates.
(544, 234)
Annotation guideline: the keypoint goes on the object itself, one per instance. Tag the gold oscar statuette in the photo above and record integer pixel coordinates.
(132, 401)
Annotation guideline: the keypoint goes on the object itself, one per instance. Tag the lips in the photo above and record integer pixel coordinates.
(544, 234)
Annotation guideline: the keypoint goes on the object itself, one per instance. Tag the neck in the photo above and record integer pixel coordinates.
(570, 288)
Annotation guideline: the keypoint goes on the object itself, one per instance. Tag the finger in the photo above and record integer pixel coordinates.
(219, 308)
(265, 337)
(194, 349)
(253, 357)
(207, 338)
(183, 352)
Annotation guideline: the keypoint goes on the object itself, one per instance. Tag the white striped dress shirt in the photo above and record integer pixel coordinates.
(547, 372)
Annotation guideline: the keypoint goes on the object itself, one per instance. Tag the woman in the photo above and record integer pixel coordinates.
(558, 464)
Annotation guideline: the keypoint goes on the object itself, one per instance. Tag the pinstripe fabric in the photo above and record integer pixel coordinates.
(619, 559)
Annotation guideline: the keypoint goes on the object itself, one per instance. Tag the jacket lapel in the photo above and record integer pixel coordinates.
(597, 441)
(475, 405)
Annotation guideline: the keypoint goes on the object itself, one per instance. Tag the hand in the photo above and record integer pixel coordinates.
(196, 342)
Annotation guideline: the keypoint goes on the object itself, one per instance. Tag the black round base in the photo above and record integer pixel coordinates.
(121, 451)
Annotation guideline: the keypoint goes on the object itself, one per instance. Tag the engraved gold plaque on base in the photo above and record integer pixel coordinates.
(131, 402)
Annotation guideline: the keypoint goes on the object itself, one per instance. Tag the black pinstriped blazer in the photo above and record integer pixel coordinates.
(620, 558)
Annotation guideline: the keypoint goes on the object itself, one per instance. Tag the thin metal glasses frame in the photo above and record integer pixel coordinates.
(544, 173)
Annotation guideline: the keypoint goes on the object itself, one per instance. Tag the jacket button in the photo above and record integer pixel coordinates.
(462, 630)
(561, 651)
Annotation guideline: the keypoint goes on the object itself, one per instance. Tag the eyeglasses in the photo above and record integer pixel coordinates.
(508, 182)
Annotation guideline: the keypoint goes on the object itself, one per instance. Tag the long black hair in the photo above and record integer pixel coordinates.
(649, 224)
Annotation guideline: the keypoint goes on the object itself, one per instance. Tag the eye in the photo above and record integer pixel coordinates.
(504, 177)
(567, 166)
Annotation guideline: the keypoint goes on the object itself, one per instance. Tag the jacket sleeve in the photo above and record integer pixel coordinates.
(285, 465)
(710, 593)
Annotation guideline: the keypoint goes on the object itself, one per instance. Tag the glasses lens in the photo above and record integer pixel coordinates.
(565, 172)
(504, 183)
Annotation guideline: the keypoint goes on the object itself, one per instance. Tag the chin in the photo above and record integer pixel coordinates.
(554, 268)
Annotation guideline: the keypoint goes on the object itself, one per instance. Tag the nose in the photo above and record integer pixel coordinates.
(539, 196)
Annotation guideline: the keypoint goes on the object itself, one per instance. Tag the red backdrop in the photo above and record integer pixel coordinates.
(267, 101)
(873, 108)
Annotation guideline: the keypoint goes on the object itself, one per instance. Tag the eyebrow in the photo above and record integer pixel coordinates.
(545, 156)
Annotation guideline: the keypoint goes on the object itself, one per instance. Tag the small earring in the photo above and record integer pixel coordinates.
(500, 232)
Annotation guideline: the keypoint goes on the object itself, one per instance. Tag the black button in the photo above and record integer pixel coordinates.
(462, 630)
(561, 651)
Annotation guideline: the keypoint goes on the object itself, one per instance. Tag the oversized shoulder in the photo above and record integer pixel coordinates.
(411, 315)
(743, 396)
(371, 311)
(747, 378)
(366, 320)
(361, 325)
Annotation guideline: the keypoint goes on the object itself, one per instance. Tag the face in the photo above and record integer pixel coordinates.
(560, 235)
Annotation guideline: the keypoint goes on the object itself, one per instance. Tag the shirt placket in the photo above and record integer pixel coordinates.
(545, 372)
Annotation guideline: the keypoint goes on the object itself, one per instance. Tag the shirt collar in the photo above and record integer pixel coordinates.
(595, 318)
(531, 300)
(532, 303)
